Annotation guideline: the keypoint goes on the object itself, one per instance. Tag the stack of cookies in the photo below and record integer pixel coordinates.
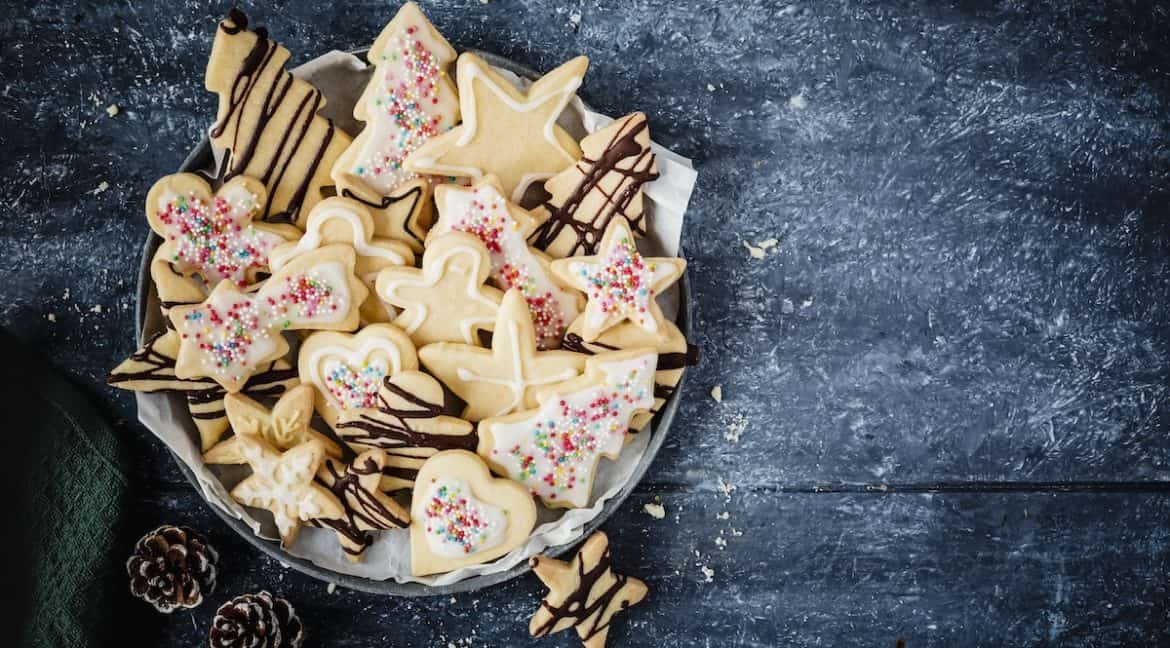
(437, 324)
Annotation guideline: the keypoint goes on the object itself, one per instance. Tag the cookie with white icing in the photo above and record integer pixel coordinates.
(286, 425)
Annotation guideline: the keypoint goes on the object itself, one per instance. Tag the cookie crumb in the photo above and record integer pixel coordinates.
(52, 317)
(722, 516)
(656, 511)
(100, 188)
(575, 18)
(113, 109)
(97, 308)
(710, 88)
(755, 252)
(736, 532)
(66, 295)
(720, 542)
(331, 588)
(708, 573)
(767, 244)
(798, 102)
(452, 599)
(717, 394)
(788, 11)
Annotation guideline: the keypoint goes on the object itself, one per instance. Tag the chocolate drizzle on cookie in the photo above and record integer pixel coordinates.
(666, 361)
(589, 229)
(364, 510)
(414, 196)
(157, 367)
(262, 71)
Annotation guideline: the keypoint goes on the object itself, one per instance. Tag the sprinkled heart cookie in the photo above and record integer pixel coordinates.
(367, 508)
(282, 483)
(152, 369)
(619, 283)
(447, 300)
(554, 449)
(505, 378)
(606, 183)
(231, 335)
(285, 426)
(344, 221)
(505, 131)
(583, 594)
(409, 99)
(408, 424)
(461, 516)
(267, 126)
(348, 370)
(482, 210)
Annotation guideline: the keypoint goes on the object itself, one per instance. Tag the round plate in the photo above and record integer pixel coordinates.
(200, 158)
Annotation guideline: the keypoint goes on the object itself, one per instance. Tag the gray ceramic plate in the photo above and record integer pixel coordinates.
(200, 158)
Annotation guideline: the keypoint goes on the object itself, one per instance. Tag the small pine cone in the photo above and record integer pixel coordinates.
(172, 567)
(257, 621)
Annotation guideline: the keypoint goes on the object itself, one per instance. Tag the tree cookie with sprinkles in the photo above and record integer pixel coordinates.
(447, 300)
(357, 486)
(267, 126)
(507, 132)
(209, 237)
(483, 210)
(231, 335)
(348, 370)
(584, 594)
(344, 221)
(506, 377)
(606, 183)
(410, 98)
(554, 449)
(460, 515)
(286, 425)
(619, 283)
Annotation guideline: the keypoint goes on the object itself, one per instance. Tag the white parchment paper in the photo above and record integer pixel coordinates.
(342, 77)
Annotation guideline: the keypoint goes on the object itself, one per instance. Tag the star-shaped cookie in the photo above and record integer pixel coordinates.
(283, 484)
(496, 381)
(285, 426)
(456, 263)
(367, 508)
(619, 282)
(505, 131)
(584, 594)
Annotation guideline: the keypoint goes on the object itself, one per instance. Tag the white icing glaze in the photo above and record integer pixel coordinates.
(433, 270)
(325, 359)
(517, 383)
(457, 524)
(222, 352)
(554, 451)
(313, 239)
(280, 483)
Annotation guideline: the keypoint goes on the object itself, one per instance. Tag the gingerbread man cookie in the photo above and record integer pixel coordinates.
(284, 426)
(504, 227)
(408, 424)
(409, 99)
(605, 184)
(232, 335)
(554, 449)
(267, 126)
(447, 300)
(344, 221)
(507, 132)
(283, 484)
(367, 508)
(462, 516)
(584, 594)
(505, 378)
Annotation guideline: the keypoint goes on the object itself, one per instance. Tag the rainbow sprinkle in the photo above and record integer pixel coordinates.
(621, 285)
(218, 240)
(355, 389)
(455, 520)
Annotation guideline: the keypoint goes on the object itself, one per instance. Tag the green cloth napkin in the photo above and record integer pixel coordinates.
(73, 487)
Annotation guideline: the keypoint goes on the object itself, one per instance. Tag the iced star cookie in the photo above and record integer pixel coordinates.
(584, 594)
(505, 378)
(282, 483)
(347, 370)
(674, 356)
(504, 227)
(554, 449)
(505, 131)
(408, 424)
(344, 221)
(367, 508)
(460, 515)
(606, 183)
(267, 126)
(409, 99)
(447, 300)
(230, 335)
(619, 283)
(152, 369)
(284, 426)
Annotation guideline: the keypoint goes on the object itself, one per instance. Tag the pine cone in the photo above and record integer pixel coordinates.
(172, 567)
(257, 621)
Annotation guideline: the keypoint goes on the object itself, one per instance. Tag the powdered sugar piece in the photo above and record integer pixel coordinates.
(755, 252)
(656, 511)
(708, 573)
(717, 394)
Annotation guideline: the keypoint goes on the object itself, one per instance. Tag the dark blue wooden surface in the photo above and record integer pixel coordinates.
(946, 414)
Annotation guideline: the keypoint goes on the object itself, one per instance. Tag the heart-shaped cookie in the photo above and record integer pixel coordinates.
(461, 515)
(347, 370)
